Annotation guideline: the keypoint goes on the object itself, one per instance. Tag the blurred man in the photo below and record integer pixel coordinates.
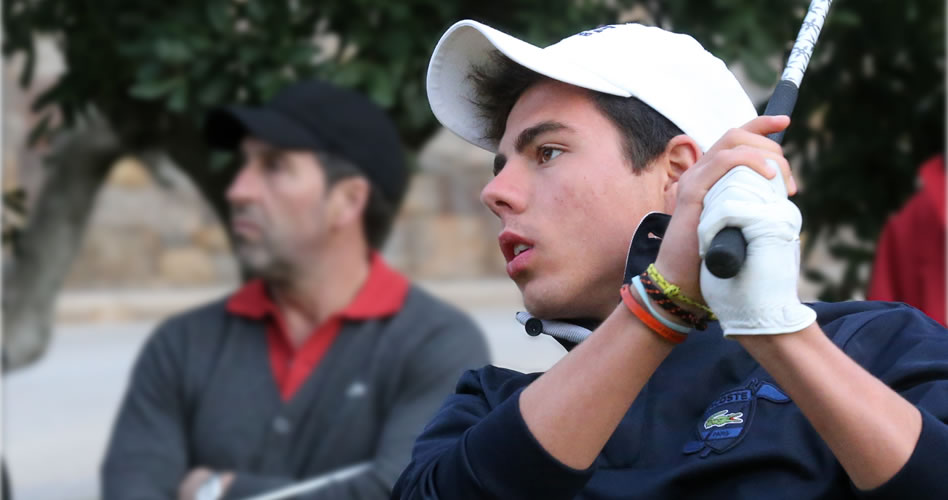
(329, 357)
(592, 137)
(910, 256)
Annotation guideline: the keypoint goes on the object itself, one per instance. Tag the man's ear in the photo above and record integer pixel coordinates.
(681, 153)
(347, 201)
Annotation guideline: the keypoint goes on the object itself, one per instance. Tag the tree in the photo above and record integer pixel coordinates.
(141, 74)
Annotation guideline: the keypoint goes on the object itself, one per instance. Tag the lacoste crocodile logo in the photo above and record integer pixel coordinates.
(722, 418)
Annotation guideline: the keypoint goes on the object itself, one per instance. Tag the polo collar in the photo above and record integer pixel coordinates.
(382, 295)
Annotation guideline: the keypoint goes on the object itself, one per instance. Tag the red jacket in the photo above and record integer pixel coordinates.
(910, 258)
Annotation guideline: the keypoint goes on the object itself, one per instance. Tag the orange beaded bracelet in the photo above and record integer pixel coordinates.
(644, 316)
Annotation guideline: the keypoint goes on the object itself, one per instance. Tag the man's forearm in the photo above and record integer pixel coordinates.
(574, 408)
(852, 410)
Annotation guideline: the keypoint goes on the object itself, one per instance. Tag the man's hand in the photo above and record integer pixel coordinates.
(762, 298)
(679, 260)
(198, 476)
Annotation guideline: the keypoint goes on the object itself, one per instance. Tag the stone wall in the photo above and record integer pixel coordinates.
(146, 232)
(155, 231)
(443, 231)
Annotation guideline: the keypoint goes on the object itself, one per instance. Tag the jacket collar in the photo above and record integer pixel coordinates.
(643, 250)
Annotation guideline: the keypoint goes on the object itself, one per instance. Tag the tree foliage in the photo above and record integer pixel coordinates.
(148, 64)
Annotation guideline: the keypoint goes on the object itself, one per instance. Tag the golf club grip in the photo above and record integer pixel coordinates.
(725, 256)
(781, 103)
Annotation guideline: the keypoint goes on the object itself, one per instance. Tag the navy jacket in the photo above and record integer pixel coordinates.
(710, 423)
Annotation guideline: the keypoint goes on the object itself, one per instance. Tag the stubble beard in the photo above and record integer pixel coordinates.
(261, 260)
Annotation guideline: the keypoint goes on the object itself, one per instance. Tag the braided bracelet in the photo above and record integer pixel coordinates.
(655, 295)
(673, 291)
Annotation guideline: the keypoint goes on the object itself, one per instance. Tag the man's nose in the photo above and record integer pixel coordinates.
(245, 186)
(506, 193)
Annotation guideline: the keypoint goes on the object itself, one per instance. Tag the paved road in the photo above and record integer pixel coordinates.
(58, 411)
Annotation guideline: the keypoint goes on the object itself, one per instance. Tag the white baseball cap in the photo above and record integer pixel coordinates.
(670, 72)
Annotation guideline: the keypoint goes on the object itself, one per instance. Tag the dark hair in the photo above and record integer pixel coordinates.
(379, 212)
(499, 84)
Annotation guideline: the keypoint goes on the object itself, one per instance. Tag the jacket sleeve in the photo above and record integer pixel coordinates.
(909, 352)
(147, 453)
(474, 450)
(428, 372)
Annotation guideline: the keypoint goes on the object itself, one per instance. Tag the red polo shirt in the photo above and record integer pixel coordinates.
(382, 295)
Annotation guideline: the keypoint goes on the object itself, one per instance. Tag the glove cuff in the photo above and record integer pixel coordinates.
(786, 319)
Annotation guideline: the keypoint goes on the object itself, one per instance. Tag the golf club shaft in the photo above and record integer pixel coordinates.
(725, 255)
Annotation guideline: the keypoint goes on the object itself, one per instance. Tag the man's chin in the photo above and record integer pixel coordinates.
(256, 263)
(545, 304)
(554, 301)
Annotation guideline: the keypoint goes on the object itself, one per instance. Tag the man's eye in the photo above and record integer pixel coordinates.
(273, 164)
(547, 153)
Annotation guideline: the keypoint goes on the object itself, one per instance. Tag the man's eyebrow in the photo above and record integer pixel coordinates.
(530, 134)
(259, 148)
(266, 152)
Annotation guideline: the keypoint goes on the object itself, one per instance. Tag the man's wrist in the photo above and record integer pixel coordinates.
(688, 285)
(655, 308)
(686, 298)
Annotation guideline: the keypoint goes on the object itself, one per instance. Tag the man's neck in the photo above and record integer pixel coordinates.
(320, 289)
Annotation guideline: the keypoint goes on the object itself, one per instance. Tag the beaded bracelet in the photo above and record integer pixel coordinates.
(649, 320)
(655, 295)
(673, 291)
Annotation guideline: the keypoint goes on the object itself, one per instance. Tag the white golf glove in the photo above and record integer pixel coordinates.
(762, 298)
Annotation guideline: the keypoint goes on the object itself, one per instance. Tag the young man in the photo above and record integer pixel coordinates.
(328, 358)
(591, 135)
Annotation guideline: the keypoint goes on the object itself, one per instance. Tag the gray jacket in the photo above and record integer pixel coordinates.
(202, 393)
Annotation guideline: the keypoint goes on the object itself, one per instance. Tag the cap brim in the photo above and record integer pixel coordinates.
(469, 44)
(227, 127)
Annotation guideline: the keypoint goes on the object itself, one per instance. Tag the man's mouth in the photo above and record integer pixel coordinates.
(244, 227)
(512, 245)
(517, 251)
(520, 248)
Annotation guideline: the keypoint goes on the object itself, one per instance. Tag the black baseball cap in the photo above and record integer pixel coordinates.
(317, 116)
